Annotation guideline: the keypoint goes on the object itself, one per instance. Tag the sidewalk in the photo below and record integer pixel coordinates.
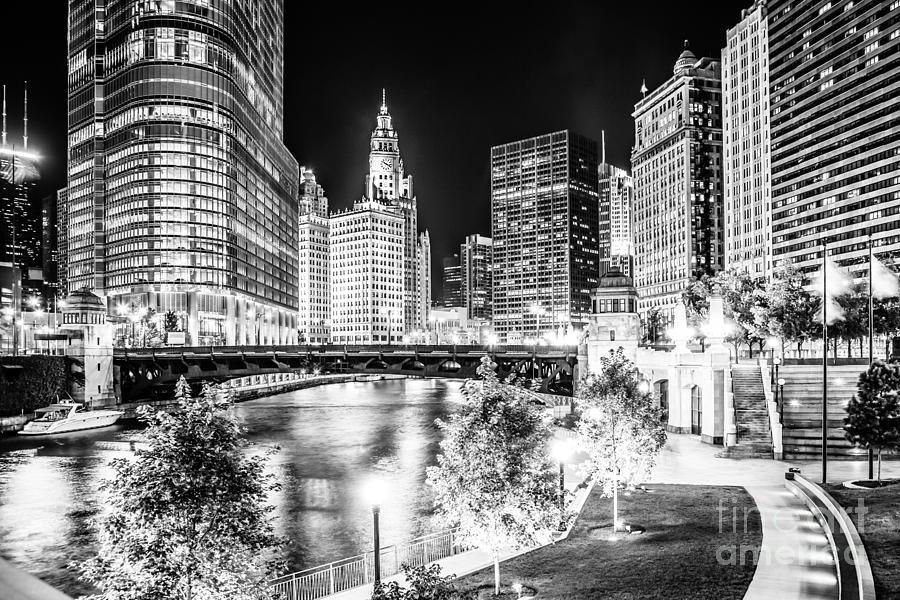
(795, 559)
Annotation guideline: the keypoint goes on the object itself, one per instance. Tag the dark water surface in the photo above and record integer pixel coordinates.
(331, 439)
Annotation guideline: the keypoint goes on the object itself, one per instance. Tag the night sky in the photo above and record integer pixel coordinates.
(460, 77)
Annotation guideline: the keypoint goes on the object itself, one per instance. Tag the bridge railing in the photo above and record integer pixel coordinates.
(496, 349)
(334, 577)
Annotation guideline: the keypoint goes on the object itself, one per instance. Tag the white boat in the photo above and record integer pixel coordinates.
(66, 417)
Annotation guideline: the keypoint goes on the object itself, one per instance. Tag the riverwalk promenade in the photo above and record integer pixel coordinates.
(795, 560)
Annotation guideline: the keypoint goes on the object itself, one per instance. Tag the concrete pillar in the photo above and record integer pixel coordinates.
(240, 322)
(230, 314)
(193, 318)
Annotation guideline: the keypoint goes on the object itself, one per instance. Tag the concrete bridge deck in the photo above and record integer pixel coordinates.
(151, 373)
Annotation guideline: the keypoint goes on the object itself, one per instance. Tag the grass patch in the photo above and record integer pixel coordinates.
(880, 532)
(677, 556)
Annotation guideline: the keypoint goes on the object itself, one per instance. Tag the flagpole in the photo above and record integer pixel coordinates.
(824, 362)
(871, 341)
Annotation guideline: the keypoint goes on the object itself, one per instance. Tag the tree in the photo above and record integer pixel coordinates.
(619, 426)
(187, 516)
(873, 415)
(171, 321)
(495, 479)
(791, 312)
(425, 583)
(653, 326)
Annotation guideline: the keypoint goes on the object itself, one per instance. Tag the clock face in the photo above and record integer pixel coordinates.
(386, 163)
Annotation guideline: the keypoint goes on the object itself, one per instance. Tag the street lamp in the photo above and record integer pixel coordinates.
(562, 452)
(375, 492)
(776, 363)
(779, 399)
(644, 386)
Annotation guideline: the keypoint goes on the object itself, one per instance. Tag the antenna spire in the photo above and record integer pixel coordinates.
(603, 145)
(25, 130)
(4, 115)
(383, 101)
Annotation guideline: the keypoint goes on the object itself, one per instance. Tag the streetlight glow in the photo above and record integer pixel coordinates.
(374, 490)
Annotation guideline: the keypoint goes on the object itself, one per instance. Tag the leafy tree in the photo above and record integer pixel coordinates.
(873, 415)
(619, 426)
(425, 583)
(653, 327)
(791, 311)
(495, 478)
(187, 516)
(171, 321)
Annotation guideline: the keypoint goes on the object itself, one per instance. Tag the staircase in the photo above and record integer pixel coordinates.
(751, 419)
(802, 434)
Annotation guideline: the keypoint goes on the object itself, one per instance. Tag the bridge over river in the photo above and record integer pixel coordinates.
(151, 373)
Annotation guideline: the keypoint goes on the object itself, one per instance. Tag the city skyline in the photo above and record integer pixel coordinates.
(448, 104)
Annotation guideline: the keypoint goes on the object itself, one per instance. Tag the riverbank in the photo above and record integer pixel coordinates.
(12, 425)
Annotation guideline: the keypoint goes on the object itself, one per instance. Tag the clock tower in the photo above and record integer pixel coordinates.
(385, 180)
(387, 183)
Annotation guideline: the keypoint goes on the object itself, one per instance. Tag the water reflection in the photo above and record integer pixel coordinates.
(330, 440)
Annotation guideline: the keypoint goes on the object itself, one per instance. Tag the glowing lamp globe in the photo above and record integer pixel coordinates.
(375, 491)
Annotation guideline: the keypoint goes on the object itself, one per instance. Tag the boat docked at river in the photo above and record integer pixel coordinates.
(66, 417)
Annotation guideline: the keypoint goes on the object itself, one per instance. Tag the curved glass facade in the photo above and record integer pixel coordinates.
(182, 195)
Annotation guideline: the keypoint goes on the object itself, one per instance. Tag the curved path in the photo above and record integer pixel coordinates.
(795, 559)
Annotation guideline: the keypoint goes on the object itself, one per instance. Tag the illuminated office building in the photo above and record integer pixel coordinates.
(475, 256)
(834, 74)
(181, 195)
(616, 207)
(20, 237)
(387, 181)
(452, 281)
(366, 256)
(315, 294)
(745, 132)
(424, 276)
(677, 168)
(545, 231)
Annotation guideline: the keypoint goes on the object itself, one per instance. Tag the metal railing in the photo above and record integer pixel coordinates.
(334, 577)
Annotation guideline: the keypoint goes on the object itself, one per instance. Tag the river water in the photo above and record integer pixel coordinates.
(330, 439)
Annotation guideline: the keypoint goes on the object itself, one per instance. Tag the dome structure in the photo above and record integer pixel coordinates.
(84, 307)
(685, 61)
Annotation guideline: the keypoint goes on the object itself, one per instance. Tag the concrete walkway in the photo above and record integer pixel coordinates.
(795, 559)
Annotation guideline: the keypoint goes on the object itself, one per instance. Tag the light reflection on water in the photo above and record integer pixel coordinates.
(330, 439)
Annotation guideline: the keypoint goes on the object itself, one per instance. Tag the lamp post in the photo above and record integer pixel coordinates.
(779, 399)
(776, 363)
(375, 492)
(562, 451)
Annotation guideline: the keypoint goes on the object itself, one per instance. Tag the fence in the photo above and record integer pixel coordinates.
(341, 575)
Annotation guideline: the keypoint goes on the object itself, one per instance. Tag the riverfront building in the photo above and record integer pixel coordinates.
(835, 80)
(746, 140)
(452, 282)
(475, 258)
(616, 209)
(366, 256)
(387, 182)
(545, 230)
(315, 292)
(181, 195)
(677, 169)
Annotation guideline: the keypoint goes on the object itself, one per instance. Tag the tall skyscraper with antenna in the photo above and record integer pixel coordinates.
(20, 239)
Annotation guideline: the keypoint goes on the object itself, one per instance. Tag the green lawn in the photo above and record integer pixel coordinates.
(880, 532)
(675, 558)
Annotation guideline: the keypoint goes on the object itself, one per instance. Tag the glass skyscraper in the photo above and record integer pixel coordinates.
(835, 80)
(181, 194)
(545, 230)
